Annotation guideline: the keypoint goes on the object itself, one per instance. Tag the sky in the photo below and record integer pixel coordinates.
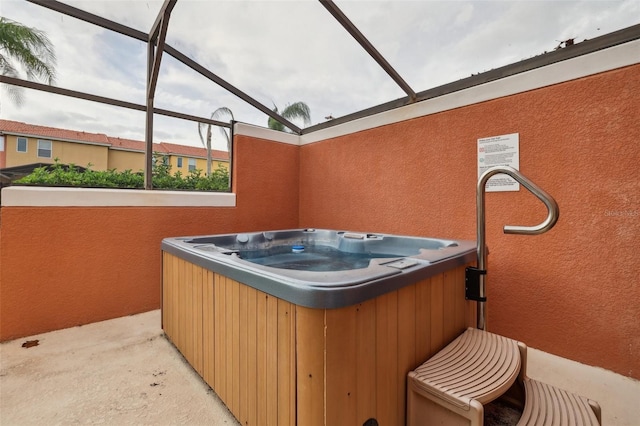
(280, 52)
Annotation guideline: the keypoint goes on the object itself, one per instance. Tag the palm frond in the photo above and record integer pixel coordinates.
(29, 47)
(201, 127)
(297, 110)
(219, 114)
(275, 125)
(15, 93)
(294, 111)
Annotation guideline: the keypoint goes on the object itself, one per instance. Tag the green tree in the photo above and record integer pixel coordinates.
(294, 111)
(205, 132)
(31, 49)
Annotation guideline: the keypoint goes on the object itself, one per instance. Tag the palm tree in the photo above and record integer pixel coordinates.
(206, 139)
(31, 49)
(297, 110)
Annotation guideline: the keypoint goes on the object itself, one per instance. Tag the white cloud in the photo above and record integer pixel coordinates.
(464, 16)
(281, 51)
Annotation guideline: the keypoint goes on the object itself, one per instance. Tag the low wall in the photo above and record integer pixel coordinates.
(68, 266)
(574, 291)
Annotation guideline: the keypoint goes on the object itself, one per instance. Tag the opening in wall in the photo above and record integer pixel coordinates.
(44, 149)
(21, 145)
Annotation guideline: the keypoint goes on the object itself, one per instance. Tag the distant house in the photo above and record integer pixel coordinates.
(23, 144)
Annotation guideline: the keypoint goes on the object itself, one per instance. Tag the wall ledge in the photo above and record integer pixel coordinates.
(41, 196)
(615, 57)
(264, 133)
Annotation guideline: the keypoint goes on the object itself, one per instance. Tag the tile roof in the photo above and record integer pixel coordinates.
(191, 151)
(16, 127)
(128, 144)
(19, 128)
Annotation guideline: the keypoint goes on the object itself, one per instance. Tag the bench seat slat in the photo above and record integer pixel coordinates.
(478, 365)
(547, 405)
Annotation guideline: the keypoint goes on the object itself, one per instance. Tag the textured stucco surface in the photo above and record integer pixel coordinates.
(574, 291)
(68, 266)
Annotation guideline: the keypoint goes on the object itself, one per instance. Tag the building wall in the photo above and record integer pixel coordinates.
(201, 164)
(15, 158)
(573, 291)
(3, 154)
(173, 160)
(66, 152)
(81, 154)
(68, 266)
(130, 160)
(221, 164)
(126, 160)
(100, 157)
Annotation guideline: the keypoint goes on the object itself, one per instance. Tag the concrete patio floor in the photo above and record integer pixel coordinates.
(124, 371)
(117, 372)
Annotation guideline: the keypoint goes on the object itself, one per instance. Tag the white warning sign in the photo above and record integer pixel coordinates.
(499, 151)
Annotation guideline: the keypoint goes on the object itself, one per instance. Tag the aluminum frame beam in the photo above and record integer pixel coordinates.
(74, 12)
(155, 49)
(141, 36)
(108, 101)
(165, 11)
(366, 45)
(157, 38)
(608, 40)
(222, 83)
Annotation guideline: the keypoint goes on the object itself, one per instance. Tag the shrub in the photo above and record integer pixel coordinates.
(59, 174)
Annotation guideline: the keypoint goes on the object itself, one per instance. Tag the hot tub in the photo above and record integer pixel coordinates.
(313, 326)
(320, 268)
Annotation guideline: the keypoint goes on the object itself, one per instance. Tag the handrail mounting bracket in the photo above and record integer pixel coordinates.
(472, 284)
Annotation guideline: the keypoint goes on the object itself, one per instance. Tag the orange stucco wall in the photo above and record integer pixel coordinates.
(67, 266)
(574, 291)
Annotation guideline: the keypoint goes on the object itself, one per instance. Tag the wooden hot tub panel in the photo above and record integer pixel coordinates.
(276, 363)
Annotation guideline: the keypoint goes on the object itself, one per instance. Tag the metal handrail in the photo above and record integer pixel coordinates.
(547, 224)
